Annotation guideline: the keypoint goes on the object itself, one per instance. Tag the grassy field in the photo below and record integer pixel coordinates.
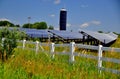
(28, 65)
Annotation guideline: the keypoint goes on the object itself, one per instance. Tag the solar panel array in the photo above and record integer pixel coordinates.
(36, 33)
(103, 37)
(46, 33)
(66, 34)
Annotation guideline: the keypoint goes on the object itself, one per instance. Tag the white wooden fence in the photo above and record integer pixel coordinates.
(72, 52)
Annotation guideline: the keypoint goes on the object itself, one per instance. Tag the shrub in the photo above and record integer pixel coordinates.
(8, 40)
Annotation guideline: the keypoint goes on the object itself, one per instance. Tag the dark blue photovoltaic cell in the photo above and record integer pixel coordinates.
(66, 34)
(41, 35)
(36, 33)
(103, 37)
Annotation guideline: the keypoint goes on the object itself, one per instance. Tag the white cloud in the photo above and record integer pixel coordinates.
(4, 19)
(69, 25)
(52, 15)
(53, 1)
(56, 28)
(87, 24)
(84, 25)
(84, 6)
(57, 2)
(13, 21)
(96, 22)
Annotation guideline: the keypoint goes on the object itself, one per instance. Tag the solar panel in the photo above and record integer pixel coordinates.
(103, 37)
(112, 34)
(66, 34)
(35, 33)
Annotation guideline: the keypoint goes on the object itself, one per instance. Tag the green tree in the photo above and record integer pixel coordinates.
(17, 25)
(36, 24)
(6, 23)
(8, 41)
(40, 25)
(51, 27)
(27, 25)
(100, 31)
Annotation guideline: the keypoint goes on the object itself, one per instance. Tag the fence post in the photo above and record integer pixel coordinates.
(72, 49)
(37, 46)
(52, 49)
(24, 43)
(41, 47)
(3, 39)
(99, 57)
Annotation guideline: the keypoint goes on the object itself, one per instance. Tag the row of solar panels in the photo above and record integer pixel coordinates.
(102, 37)
(51, 33)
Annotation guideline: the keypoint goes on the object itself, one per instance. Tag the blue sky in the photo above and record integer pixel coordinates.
(96, 15)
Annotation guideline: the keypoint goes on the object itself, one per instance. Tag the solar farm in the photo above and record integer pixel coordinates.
(35, 50)
(82, 36)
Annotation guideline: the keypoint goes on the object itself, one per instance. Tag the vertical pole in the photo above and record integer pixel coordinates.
(37, 46)
(83, 40)
(52, 49)
(41, 47)
(49, 37)
(2, 52)
(24, 43)
(88, 37)
(29, 21)
(3, 39)
(72, 49)
(99, 57)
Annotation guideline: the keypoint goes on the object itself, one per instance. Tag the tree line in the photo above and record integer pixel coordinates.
(36, 25)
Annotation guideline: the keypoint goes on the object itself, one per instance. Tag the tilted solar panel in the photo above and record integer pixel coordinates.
(35, 32)
(66, 34)
(103, 37)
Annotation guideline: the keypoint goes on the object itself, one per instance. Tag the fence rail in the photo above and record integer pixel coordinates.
(72, 52)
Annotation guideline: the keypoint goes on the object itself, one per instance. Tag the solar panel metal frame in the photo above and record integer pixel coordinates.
(103, 37)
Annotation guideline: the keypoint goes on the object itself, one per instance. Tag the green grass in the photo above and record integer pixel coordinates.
(116, 44)
(28, 65)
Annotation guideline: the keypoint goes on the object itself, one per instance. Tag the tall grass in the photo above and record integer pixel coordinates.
(28, 65)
